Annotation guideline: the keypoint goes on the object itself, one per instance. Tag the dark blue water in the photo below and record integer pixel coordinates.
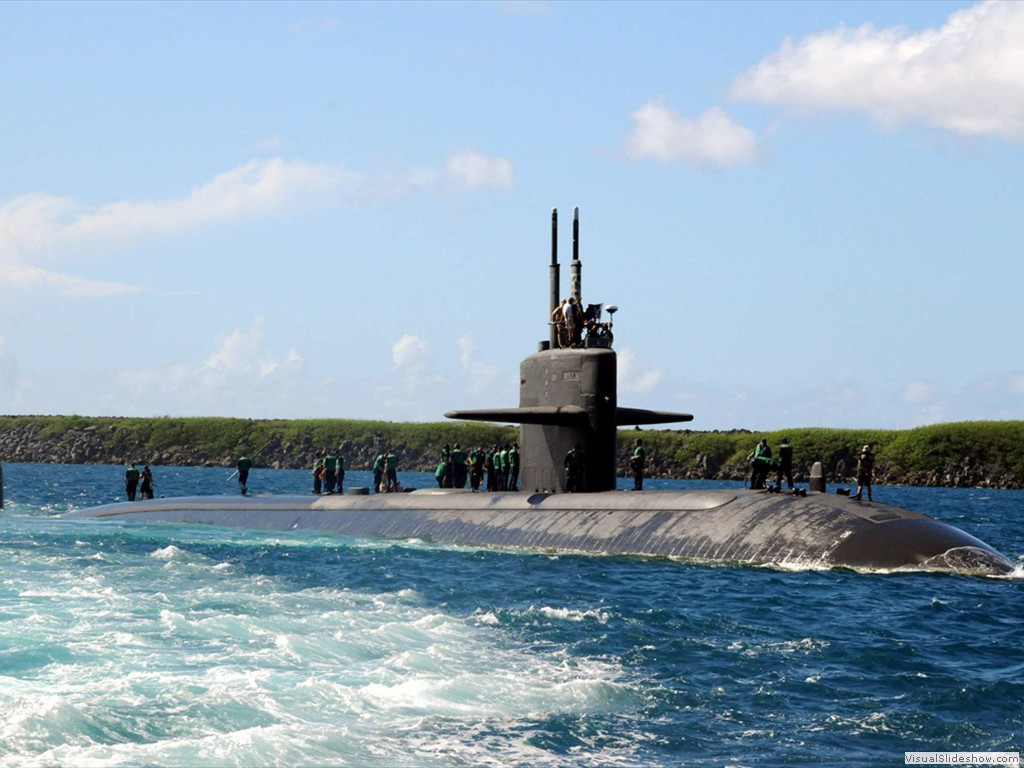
(134, 644)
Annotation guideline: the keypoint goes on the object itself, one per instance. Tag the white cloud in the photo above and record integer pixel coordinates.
(918, 393)
(473, 170)
(711, 140)
(635, 376)
(412, 379)
(965, 77)
(305, 26)
(410, 353)
(271, 143)
(33, 278)
(44, 227)
(39, 228)
(36, 222)
(242, 352)
(922, 402)
(241, 373)
(480, 375)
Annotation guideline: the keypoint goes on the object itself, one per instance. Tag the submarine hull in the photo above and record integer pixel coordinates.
(752, 527)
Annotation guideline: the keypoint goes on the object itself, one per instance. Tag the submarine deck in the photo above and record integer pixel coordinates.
(704, 525)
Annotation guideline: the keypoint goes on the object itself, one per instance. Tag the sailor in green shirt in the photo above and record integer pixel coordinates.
(760, 462)
(458, 467)
(330, 473)
(637, 462)
(476, 472)
(131, 481)
(513, 467)
(501, 461)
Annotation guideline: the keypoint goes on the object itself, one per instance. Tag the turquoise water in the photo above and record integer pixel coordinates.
(138, 645)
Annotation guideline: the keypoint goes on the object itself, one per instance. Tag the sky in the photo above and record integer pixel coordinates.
(809, 214)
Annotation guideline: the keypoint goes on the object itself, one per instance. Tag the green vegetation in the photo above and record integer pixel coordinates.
(966, 453)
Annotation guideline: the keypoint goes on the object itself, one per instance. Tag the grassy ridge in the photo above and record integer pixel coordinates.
(965, 453)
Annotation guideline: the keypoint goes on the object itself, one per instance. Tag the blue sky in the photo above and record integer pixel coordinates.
(809, 213)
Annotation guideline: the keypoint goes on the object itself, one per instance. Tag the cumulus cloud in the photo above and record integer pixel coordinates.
(242, 352)
(473, 170)
(712, 139)
(964, 77)
(240, 372)
(463, 171)
(410, 354)
(480, 375)
(635, 376)
(412, 376)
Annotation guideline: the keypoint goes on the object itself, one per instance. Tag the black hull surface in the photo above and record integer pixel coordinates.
(755, 527)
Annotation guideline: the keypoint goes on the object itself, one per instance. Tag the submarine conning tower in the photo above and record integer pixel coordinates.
(568, 394)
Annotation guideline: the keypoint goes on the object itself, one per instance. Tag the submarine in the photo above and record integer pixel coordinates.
(568, 398)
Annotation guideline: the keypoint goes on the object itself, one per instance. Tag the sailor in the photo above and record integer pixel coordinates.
(318, 476)
(865, 466)
(492, 470)
(439, 474)
(760, 462)
(785, 468)
(502, 465)
(558, 320)
(330, 473)
(392, 467)
(243, 466)
(146, 486)
(341, 473)
(459, 469)
(573, 323)
(131, 481)
(446, 459)
(513, 467)
(378, 473)
(637, 462)
(477, 459)
(574, 470)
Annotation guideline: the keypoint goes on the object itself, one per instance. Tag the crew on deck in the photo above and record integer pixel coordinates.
(760, 463)
(785, 466)
(574, 470)
(146, 483)
(243, 466)
(131, 481)
(637, 462)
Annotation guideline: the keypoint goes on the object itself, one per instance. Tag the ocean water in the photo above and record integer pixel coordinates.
(170, 645)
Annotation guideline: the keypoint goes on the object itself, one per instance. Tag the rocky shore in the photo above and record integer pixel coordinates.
(98, 443)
